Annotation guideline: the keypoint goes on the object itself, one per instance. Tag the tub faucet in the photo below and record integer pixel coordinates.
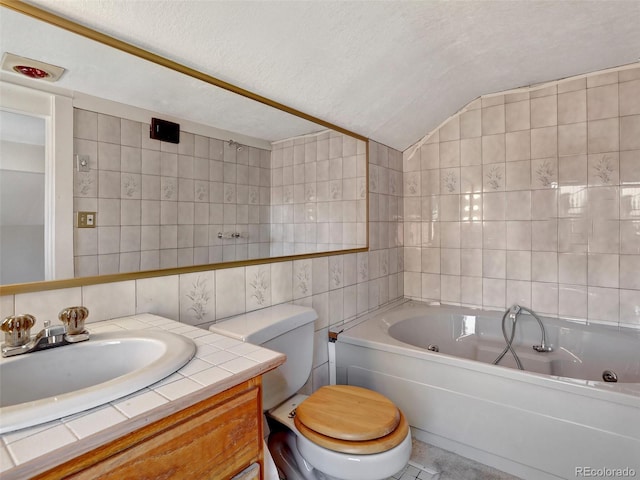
(17, 330)
(513, 314)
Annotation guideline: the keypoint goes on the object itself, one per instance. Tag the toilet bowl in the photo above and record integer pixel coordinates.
(313, 455)
(339, 432)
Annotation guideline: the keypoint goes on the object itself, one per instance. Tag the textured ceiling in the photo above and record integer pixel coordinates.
(388, 70)
(95, 69)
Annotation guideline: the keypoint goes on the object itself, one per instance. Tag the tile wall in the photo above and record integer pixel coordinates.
(531, 197)
(162, 205)
(338, 287)
(318, 194)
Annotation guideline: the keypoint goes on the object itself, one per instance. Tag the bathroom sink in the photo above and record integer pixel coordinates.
(42, 386)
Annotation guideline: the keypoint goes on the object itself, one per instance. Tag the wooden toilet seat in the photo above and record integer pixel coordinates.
(351, 419)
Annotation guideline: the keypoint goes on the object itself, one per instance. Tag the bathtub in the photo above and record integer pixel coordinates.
(555, 419)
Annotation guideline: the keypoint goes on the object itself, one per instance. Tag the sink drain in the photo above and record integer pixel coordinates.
(433, 348)
(609, 376)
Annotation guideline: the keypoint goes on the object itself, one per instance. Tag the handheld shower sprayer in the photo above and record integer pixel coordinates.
(512, 314)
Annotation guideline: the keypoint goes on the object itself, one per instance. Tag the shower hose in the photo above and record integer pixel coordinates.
(509, 338)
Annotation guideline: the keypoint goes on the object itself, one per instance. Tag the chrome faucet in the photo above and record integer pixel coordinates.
(543, 347)
(17, 331)
(512, 314)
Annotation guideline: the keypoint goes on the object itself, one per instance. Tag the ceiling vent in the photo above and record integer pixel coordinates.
(30, 68)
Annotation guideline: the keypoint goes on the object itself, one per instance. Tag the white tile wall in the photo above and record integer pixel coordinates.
(540, 207)
(162, 205)
(318, 195)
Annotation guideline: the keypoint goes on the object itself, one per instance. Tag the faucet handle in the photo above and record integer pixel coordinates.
(17, 329)
(73, 319)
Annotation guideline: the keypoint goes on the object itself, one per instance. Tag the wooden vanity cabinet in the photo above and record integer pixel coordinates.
(217, 438)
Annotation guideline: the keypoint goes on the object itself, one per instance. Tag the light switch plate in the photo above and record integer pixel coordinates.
(82, 163)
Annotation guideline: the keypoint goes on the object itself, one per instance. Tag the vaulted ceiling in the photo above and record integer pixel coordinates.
(388, 70)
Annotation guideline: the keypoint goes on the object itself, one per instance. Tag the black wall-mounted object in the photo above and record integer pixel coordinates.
(165, 131)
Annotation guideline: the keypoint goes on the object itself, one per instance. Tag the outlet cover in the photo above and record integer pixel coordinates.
(86, 219)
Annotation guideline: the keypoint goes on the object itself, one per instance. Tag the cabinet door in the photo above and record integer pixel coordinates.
(213, 440)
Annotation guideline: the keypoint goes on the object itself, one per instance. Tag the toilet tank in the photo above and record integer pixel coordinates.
(286, 329)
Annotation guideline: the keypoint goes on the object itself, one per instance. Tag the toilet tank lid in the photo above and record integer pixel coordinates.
(263, 325)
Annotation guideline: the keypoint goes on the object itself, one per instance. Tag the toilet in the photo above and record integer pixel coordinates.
(340, 432)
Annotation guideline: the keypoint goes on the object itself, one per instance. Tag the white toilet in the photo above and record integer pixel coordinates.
(339, 432)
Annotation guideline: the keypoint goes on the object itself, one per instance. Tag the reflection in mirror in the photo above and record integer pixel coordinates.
(207, 200)
(246, 180)
(22, 167)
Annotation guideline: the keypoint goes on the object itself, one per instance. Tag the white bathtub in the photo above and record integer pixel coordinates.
(556, 419)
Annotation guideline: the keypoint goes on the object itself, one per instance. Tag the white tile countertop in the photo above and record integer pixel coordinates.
(219, 363)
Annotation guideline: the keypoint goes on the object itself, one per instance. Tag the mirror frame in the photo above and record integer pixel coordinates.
(66, 24)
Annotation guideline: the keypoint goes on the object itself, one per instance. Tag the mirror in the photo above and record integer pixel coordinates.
(250, 178)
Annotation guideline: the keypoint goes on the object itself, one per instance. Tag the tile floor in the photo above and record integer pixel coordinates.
(433, 463)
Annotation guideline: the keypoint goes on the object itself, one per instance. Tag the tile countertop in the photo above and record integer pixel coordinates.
(219, 363)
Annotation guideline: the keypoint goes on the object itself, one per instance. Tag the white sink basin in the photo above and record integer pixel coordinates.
(42, 386)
